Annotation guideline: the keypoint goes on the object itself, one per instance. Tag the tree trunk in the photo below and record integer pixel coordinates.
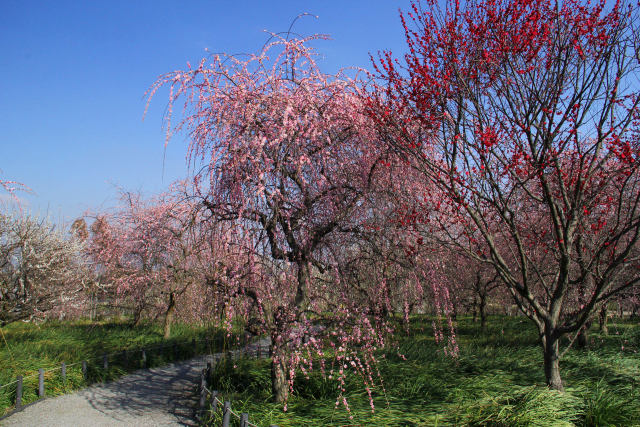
(279, 386)
(304, 278)
(483, 312)
(551, 349)
(583, 337)
(277, 350)
(168, 317)
(620, 310)
(475, 309)
(137, 317)
(603, 319)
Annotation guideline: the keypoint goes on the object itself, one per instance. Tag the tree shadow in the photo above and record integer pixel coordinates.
(150, 393)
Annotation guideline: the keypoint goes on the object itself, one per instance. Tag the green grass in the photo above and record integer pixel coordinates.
(497, 380)
(25, 347)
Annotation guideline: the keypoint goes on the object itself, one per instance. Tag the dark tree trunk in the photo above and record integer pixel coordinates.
(168, 317)
(483, 312)
(137, 317)
(304, 278)
(603, 319)
(475, 309)
(583, 337)
(551, 350)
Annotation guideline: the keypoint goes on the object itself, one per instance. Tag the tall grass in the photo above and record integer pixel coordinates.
(497, 380)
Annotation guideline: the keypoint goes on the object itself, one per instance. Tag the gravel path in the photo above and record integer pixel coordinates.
(162, 396)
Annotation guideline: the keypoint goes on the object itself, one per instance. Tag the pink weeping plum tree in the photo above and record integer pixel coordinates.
(284, 154)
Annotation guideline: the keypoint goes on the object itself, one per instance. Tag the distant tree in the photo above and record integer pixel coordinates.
(42, 269)
(79, 229)
(149, 251)
(525, 115)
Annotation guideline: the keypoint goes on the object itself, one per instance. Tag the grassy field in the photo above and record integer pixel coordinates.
(25, 347)
(497, 380)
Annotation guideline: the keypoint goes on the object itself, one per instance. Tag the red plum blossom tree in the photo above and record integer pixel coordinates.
(525, 115)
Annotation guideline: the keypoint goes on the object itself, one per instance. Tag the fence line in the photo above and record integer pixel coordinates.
(19, 381)
(204, 391)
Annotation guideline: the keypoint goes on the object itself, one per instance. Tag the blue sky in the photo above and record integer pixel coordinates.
(73, 76)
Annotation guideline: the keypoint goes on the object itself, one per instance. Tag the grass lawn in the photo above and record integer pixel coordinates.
(497, 380)
(25, 347)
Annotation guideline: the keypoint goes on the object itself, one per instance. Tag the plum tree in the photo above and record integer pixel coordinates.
(288, 158)
(42, 268)
(525, 114)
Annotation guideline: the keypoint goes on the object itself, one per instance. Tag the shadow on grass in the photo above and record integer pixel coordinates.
(497, 379)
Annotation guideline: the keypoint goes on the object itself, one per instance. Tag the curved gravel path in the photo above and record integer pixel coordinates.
(162, 396)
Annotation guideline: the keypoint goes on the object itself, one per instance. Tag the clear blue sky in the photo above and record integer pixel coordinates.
(73, 75)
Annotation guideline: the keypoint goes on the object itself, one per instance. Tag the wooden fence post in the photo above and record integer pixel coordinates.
(63, 372)
(40, 383)
(84, 369)
(203, 390)
(244, 420)
(144, 359)
(214, 401)
(226, 413)
(19, 392)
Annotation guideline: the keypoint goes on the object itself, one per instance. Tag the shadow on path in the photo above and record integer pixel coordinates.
(162, 396)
